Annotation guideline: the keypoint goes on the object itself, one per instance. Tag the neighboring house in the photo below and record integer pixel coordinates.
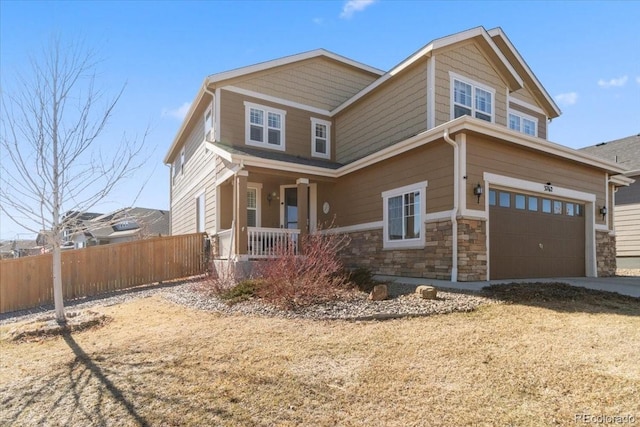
(123, 225)
(19, 248)
(437, 168)
(626, 153)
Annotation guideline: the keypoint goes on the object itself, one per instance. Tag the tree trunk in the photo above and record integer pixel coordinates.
(58, 297)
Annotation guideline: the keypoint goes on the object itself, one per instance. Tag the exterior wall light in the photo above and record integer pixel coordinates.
(271, 196)
(477, 191)
(603, 212)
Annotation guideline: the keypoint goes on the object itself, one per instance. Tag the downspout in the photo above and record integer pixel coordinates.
(454, 211)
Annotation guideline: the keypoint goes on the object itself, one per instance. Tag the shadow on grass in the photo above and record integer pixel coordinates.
(111, 388)
(85, 361)
(564, 298)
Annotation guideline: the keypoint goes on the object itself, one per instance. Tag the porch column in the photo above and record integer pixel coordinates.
(241, 233)
(303, 210)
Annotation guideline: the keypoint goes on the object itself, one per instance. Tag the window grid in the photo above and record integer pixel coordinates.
(472, 100)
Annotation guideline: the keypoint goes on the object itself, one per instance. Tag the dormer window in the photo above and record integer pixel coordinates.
(264, 126)
(469, 98)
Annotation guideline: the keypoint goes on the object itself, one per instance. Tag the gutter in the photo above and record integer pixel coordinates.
(456, 207)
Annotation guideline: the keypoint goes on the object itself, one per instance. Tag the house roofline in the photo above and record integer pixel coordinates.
(498, 32)
(515, 82)
(464, 123)
(238, 72)
(187, 119)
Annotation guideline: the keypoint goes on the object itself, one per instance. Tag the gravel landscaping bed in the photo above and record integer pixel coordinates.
(359, 307)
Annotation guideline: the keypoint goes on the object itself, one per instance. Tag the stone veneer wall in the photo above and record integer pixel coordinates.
(433, 261)
(472, 250)
(605, 254)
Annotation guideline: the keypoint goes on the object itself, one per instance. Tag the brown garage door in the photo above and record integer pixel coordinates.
(532, 236)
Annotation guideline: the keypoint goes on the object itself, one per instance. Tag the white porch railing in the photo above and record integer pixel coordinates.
(269, 242)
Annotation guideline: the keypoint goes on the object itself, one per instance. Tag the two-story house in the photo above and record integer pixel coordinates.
(437, 168)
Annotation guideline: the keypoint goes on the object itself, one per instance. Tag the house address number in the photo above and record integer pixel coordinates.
(548, 188)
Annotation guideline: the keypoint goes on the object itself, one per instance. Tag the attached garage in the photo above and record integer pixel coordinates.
(534, 236)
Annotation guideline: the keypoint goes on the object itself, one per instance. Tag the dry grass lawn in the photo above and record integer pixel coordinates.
(157, 363)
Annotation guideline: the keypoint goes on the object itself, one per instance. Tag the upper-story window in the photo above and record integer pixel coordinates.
(208, 123)
(265, 126)
(182, 161)
(320, 138)
(523, 123)
(471, 99)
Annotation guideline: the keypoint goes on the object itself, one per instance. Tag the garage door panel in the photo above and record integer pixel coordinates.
(530, 243)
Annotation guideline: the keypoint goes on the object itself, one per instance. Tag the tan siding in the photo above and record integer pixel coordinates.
(468, 61)
(484, 155)
(392, 113)
(627, 218)
(297, 123)
(525, 95)
(318, 82)
(357, 199)
(188, 185)
(542, 119)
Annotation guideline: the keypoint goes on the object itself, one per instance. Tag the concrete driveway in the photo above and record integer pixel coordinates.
(622, 285)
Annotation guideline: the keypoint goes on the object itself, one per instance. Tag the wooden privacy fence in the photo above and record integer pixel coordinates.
(27, 282)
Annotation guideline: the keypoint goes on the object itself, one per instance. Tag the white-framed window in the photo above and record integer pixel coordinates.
(265, 126)
(182, 160)
(471, 98)
(254, 191)
(524, 123)
(252, 207)
(200, 213)
(208, 123)
(403, 216)
(320, 138)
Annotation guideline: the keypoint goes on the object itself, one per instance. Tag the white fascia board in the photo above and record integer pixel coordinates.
(526, 105)
(498, 32)
(281, 165)
(276, 100)
(537, 187)
(622, 179)
(539, 144)
(220, 152)
(238, 72)
(194, 104)
(360, 94)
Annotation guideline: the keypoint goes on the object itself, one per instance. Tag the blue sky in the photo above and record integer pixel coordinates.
(586, 54)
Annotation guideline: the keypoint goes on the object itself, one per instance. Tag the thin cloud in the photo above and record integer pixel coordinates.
(638, 80)
(178, 113)
(565, 99)
(619, 82)
(318, 21)
(353, 6)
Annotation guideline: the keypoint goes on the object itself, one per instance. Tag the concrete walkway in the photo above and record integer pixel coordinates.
(622, 285)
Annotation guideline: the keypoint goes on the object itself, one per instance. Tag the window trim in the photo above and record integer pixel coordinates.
(474, 85)
(182, 160)
(258, 188)
(522, 116)
(266, 110)
(327, 124)
(418, 243)
(208, 124)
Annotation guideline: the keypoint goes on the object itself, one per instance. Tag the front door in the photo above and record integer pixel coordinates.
(290, 207)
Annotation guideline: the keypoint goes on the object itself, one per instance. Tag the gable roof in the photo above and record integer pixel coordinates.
(511, 53)
(238, 72)
(478, 34)
(624, 152)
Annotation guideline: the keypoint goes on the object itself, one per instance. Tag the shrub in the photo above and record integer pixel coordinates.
(362, 279)
(241, 292)
(291, 280)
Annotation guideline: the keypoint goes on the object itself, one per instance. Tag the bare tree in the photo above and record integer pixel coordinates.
(52, 161)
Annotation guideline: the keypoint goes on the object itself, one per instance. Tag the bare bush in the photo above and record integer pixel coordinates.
(291, 280)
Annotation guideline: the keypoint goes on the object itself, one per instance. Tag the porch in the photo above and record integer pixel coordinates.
(261, 215)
